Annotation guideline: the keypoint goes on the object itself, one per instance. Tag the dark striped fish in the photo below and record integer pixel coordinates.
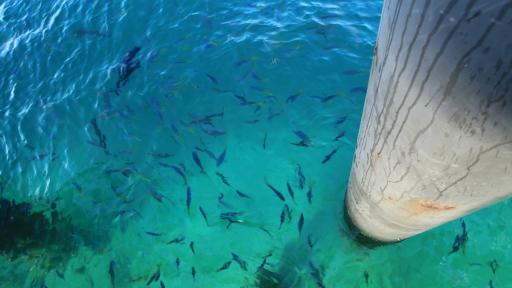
(225, 266)
(242, 263)
(112, 273)
(191, 246)
(278, 194)
(198, 162)
(194, 273)
(213, 79)
(341, 120)
(290, 191)
(177, 263)
(302, 179)
(189, 198)
(223, 178)
(339, 136)
(329, 156)
(180, 172)
(301, 223)
(243, 195)
(177, 240)
(155, 277)
(204, 215)
(221, 157)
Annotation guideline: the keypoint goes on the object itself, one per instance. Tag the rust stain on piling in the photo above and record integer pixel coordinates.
(419, 206)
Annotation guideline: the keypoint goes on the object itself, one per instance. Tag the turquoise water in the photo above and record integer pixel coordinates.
(101, 144)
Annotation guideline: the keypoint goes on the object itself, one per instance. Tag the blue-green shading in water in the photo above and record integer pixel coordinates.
(201, 144)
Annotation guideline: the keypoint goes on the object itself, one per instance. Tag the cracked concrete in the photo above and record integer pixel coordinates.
(435, 140)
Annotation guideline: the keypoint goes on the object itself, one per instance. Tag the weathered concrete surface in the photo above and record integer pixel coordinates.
(435, 141)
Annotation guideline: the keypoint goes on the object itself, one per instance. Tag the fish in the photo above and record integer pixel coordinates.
(128, 172)
(264, 262)
(161, 155)
(153, 233)
(271, 115)
(300, 224)
(265, 141)
(460, 239)
(180, 172)
(44, 155)
(207, 152)
(494, 266)
(221, 201)
(156, 195)
(305, 141)
(191, 246)
(77, 186)
(290, 191)
(212, 130)
(242, 263)
(340, 120)
(366, 277)
(223, 178)
(221, 157)
(129, 211)
(204, 215)
(292, 98)
(207, 118)
(329, 156)
(162, 285)
(302, 178)
(491, 284)
(231, 217)
(112, 272)
(189, 198)
(155, 277)
(253, 121)
(127, 67)
(241, 62)
(219, 90)
(225, 266)
(177, 261)
(177, 240)
(84, 32)
(310, 242)
(266, 231)
(315, 273)
(287, 212)
(102, 139)
(213, 79)
(241, 194)
(277, 192)
(198, 162)
(194, 273)
(339, 136)
(243, 100)
(60, 274)
(310, 194)
(325, 99)
(359, 89)
(256, 77)
(282, 217)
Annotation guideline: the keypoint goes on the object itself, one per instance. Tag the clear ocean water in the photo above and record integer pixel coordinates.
(141, 142)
